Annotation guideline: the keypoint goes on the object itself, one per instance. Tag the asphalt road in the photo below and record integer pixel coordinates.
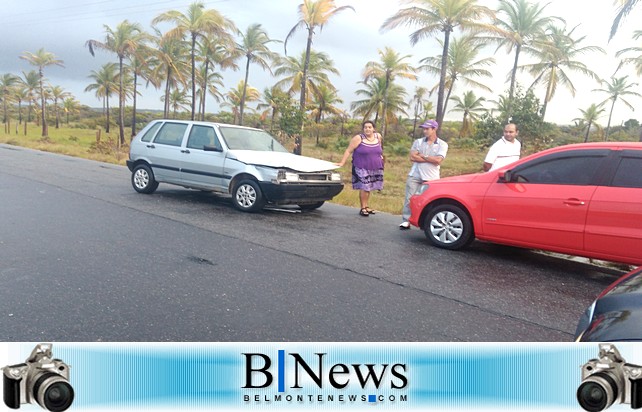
(85, 258)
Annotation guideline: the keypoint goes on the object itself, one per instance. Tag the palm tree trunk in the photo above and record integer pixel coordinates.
(450, 90)
(385, 105)
(442, 77)
(45, 129)
(306, 66)
(167, 89)
(588, 130)
(193, 74)
(608, 126)
(247, 75)
(134, 106)
(107, 111)
(121, 106)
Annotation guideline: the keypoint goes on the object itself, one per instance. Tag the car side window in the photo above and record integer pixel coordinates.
(576, 170)
(628, 173)
(171, 134)
(201, 136)
(149, 134)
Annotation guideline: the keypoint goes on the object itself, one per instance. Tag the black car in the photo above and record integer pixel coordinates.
(616, 314)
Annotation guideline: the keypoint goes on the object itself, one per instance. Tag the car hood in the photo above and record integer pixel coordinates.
(281, 159)
(461, 178)
(618, 311)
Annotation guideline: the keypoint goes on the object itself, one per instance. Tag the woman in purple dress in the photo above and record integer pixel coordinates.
(367, 164)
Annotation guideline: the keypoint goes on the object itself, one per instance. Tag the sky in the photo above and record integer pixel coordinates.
(351, 39)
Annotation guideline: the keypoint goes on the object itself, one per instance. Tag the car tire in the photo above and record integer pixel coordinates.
(143, 179)
(448, 227)
(311, 206)
(247, 196)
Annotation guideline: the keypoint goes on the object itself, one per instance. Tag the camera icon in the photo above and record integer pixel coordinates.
(608, 380)
(41, 379)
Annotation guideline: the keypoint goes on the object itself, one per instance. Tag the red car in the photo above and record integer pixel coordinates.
(580, 199)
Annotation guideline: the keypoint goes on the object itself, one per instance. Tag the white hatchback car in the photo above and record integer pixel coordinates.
(247, 163)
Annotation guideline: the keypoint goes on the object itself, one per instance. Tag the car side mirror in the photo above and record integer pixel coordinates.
(506, 176)
(210, 148)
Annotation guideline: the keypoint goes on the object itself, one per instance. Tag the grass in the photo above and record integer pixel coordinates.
(85, 143)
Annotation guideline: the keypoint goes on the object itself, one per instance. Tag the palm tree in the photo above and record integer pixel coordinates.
(636, 60)
(625, 8)
(391, 66)
(462, 65)
(197, 23)
(324, 100)
(472, 107)
(8, 83)
(319, 65)
(71, 106)
(374, 99)
(589, 117)
(210, 83)
(313, 14)
(233, 98)
(178, 100)
(139, 65)
(21, 94)
(418, 103)
(58, 93)
(555, 55)
(124, 42)
(433, 17)
(617, 88)
(253, 46)
(169, 65)
(105, 83)
(523, 23)
(31, 80)
(273, 99)
(42, 59)
(212, 52)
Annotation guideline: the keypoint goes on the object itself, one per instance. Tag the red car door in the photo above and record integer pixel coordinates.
(614, 221)
(545, 203)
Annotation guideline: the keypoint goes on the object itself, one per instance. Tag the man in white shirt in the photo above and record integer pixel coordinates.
(504, 151)
(426, 155)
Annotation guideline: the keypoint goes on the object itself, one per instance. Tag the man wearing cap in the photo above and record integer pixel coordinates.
(426, 155)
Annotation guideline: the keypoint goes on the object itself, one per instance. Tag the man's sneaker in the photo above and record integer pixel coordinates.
(404, 225)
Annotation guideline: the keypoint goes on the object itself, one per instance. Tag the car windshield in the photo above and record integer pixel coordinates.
(250, 139)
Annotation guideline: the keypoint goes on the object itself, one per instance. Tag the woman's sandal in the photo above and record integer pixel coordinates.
(364, 212)
(370, 211)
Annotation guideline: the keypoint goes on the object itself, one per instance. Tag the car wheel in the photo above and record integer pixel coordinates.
(311, 206)
(247, 196)
(143, 179)
(448, 227)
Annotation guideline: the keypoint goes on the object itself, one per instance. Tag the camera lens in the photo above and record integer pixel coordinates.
(58, 396)
(597, 392)
(53, 392)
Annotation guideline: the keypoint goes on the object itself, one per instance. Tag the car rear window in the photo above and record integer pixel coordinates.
(149, 134)
(171, 134)
(629, 173)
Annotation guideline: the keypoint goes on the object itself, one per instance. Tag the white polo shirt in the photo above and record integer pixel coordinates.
(427, 171)
(503, 152)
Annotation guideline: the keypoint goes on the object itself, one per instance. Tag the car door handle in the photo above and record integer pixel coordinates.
(574, 202)
(151, 146)
(185, 151)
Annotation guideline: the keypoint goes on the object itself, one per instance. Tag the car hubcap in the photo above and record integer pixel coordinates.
(141, 179)
(246, 196)
(446, 227)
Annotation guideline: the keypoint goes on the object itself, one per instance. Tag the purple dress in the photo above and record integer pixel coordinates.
(367, 166)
